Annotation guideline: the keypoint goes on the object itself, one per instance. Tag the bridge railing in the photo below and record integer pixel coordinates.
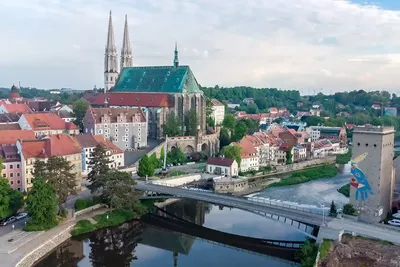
(316, 210)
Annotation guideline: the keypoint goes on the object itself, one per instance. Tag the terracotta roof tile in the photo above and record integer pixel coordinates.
(131, 99)
(10, 137)
(42, 121)
(220, 162)
(89, 140)
(215, 102)
(17, 108)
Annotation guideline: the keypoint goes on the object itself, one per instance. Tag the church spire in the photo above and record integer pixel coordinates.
(126, 52)
(110, 58)
(176, 60)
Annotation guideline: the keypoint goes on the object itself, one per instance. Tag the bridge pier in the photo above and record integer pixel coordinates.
(328, 233)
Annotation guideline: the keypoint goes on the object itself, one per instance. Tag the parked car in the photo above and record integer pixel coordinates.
(8, 220)
(21, 215)
(394, 222)
(396, 215)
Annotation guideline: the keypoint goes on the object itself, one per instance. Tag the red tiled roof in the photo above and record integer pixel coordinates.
(273, 110)
(247, 148)
(56, 145)
(131, 99)
(10, 137)
(215, 102)
(17, 108)
(220, 162)
(9, 126)
(41, 121)
(89, 140)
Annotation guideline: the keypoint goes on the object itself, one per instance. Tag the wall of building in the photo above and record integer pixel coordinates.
(226, 186)
(305, 164)
(180, 180)
(13, 172)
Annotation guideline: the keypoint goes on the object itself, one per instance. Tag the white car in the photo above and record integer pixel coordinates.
(396, 215)
(394, 222)
(21, 215)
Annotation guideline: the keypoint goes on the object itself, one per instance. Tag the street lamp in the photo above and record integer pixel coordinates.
(323, 213)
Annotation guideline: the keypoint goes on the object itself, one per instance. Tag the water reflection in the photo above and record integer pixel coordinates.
(141, 244)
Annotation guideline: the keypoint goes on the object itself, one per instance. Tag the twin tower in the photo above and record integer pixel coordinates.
(111, 56)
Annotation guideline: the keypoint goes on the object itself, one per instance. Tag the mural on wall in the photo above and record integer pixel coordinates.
(358, 178)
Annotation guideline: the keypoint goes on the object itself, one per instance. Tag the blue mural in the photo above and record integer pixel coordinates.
(358, 178)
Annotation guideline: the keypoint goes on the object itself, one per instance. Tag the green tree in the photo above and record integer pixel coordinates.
(289, 156)
(42, 205)
(146, 168)
(224, 138)
(161, 159)
(240, 130)
(79, 108)
(333, 210)
(308, 254)
(278, 120)
(172, 126)
(229, 122)
(252, 109)
(176, 156)
(209, 119)
(99, 165)
(233, 152)
(252, 125)
(119, 191)
(154, 160)
(348, 209)
(61, 176)
(5, 198)
(40, 169)
(16, 200)
(191, 123)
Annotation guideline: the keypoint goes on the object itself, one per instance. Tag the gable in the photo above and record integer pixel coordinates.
(164, 79)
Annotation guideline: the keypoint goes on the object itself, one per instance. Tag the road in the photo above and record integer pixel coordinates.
(19, 225)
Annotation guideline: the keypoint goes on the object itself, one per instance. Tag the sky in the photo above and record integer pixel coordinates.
(323, 45)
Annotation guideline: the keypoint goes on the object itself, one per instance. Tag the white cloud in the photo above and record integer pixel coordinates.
(330, 44)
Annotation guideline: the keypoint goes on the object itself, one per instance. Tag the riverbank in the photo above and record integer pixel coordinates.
(303, 176)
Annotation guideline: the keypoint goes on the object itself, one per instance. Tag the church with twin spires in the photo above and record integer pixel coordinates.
(160, 90)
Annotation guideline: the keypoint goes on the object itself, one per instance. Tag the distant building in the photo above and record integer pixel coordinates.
(218, 111)
(390, 111)
(125, 127)
(55, 91)
(10, 137)
(376, 106)
(331, 133)
(233, 104)
(89, 142)
(299, 153)
(249, 156)
(14, 95)
(372, 179)
(44, 124)
(315, 112)
(222, 166)
(248, 101)
(58, 145)
(11, 166)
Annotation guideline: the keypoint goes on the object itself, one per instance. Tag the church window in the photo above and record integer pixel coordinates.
(100, 131)
(111, 78)
(126, 130)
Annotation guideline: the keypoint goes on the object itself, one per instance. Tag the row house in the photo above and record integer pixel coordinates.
(44, 124)
(89, 142)
(249, 155)
(58, 145)
(218, 111)
(125, 127)
(299, 153)
(331, 133)
(12, 170)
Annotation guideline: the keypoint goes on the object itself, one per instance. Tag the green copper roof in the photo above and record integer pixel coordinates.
(163, 79)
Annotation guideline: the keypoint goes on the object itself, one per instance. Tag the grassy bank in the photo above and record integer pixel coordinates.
(302, 176)
(344, 158)
(113, 218)
(324, 249)
(345, 190)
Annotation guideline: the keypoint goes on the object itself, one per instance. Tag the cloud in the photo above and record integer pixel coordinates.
(300, 44)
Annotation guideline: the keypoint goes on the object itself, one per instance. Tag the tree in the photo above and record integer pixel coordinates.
(224, 138)
(176, 156)
(289, 156)
(16, 200)
(119, 191)
(40, 169)
(5, 199)
(172, 126)
(229, 122)
(240, 130)
(308, 254)
(162, 154)
(146, 168)
(233, 152)
(252, 109)
(99, 164)
(348, 209)
(154, 160)
(79, 108)
(333, 210)
(191, 123)
(61, 176)
(252, 125)
(278, 120)
(42, 205)
(209, 119)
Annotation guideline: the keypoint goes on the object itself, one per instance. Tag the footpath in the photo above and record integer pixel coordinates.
(28, 247)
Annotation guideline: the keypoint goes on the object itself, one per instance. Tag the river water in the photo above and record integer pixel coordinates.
(141, 244)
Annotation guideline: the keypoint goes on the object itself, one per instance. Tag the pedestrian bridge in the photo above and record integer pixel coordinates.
(299, 217)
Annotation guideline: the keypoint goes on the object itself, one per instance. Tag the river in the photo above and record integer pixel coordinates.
(143, 244)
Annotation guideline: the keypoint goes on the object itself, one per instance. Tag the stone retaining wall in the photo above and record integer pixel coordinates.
(305, 164)
(45, 248)
(87, 210)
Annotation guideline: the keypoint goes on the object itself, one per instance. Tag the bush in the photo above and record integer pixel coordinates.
(345, 190)
(31, 226)
(308, 254)
(302, 176)
(348, 209)
(81, 204)
(84, 226)
(325, 248)
(344, 158)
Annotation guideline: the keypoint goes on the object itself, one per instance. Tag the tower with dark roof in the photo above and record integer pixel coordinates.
(126, 51)
(110, 59)
(176, 60)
